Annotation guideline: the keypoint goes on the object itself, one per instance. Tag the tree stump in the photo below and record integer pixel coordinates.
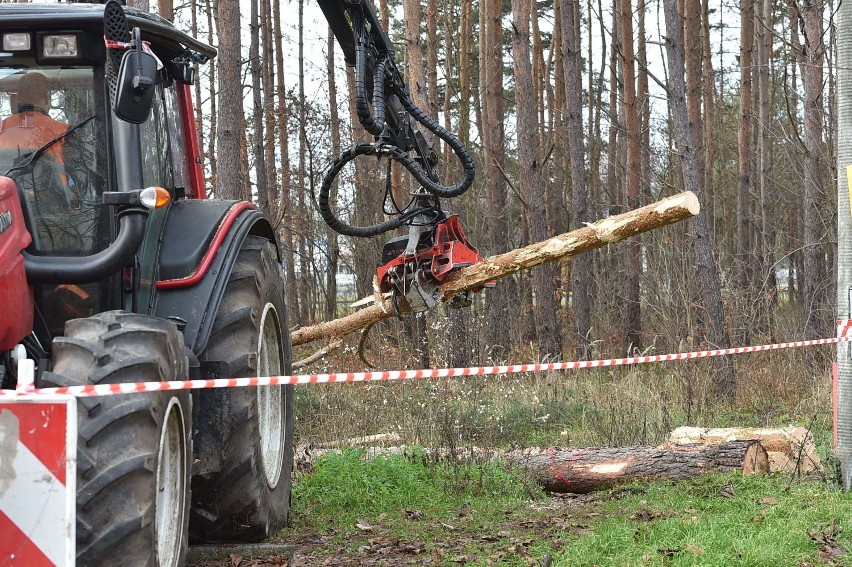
(585, 470)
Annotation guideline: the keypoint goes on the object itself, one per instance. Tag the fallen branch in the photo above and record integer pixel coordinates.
(612, 229)
(333, 345)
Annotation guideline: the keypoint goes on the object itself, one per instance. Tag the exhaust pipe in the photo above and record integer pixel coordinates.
(90, 269)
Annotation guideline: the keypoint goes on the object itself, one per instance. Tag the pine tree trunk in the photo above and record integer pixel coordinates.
(766, 281)
(744, 144)
(530, 183)
(166, 9)
(213, 136)
(331, 236)
(304, 314)
(582, 266)
(811, 59)
(285, 214)
(257, 110)
(229, 183)
(596, 235)
(707, 275)
(498, 319)
(268, 76)
(632, 309)
(709, 96)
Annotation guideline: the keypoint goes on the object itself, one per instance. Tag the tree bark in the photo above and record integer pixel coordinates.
(632, 312)
(166, 9)
(465, 70)
(498, 322)
(422, 97)
(305, 308)
(612, 229)
(268, 76)
(710, 121)
(708, 277)
(766, 280)
(744, 144)
(811, 58)
(584, 470)
(258, 137)
(212, 137)
(229, 184)
(331, 235)
(285, 212)
(581, 268)
(531, 185)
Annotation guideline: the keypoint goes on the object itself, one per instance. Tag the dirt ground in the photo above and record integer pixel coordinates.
(505, 540)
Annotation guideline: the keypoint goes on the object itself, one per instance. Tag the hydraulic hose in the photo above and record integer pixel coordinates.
(341, 227)
(374, 122)
(414, 168)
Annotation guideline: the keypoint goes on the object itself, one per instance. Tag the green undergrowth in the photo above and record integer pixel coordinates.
(720, 520)
(346, 487)
(408, 509)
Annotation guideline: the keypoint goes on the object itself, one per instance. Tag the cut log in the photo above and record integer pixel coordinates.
(585, 470)
(789, 449)
(595, 235)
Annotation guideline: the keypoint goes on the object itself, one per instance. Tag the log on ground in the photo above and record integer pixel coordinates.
(594, 235)
(585, 470)
(790, 449)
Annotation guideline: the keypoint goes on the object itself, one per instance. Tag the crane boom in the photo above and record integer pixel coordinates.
(413, 264)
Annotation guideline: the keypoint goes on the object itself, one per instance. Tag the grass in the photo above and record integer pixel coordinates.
(346, 487)
(406, 509)
(765, 522)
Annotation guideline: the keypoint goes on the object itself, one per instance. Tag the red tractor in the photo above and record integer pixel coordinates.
(116, 268)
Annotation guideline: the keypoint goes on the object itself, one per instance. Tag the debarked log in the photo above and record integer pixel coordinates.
(585, 470)
(594, 235)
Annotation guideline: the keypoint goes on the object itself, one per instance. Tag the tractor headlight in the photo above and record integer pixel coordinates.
(59, 46)
(16, 42)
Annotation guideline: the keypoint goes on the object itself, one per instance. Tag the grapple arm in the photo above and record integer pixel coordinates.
(435, 245)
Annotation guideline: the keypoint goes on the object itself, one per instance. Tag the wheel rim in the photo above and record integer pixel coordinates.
(171, 486)
(270, 399)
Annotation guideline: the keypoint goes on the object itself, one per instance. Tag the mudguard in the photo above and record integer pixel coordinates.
(200, 242)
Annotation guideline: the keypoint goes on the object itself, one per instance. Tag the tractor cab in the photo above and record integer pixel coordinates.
(80, 146)
(52, 145)
(116, 268)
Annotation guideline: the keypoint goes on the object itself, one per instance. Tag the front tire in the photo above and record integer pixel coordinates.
(133, 451)
(244, 437)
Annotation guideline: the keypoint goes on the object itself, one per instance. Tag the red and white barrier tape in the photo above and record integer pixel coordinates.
(844, 327)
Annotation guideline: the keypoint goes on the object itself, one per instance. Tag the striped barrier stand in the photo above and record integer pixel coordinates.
(38, 448)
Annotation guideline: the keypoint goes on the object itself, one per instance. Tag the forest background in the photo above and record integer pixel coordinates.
(571, 110)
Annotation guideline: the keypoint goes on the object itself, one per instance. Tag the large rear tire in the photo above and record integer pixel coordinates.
(133, 451)
(244, 436)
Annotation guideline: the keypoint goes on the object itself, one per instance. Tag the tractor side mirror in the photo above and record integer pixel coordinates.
(137, 76)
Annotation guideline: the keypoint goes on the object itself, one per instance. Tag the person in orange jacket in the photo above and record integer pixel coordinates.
(31, 126)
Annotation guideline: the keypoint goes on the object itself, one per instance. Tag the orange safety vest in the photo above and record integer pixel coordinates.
(30, 130)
